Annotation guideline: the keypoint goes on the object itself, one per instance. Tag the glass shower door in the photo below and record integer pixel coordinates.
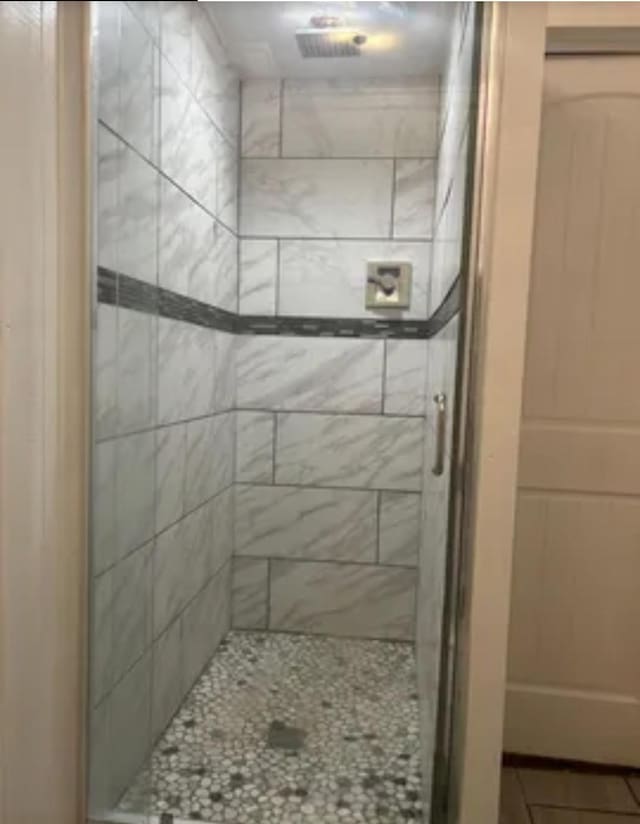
(123, 440)
(440, 548)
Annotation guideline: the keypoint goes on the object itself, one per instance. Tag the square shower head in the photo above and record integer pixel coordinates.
(328, 42)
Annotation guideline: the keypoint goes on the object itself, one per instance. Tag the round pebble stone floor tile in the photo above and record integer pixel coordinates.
(291, 729)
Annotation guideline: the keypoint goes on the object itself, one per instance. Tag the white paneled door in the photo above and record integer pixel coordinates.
(574, 656)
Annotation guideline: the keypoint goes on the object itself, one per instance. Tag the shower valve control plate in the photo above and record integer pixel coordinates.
(388, 284)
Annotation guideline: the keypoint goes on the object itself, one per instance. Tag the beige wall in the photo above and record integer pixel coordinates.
(513, 88)
(510, 158)
(43, 399)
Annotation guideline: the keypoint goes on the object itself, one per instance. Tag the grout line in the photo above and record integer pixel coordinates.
(329, 413)
(268, 594)
(159, 533)
(325, 158)
(378, 525)
(626, 816)
(371, 489)
(277, 283)
(393, 199)
(280, 119)
(167, 177)
(524, 797)
(154, 427)
(148, 650)
(383, 398)
(274, 446)
(371, 564)
(636, 797)
(340, 238)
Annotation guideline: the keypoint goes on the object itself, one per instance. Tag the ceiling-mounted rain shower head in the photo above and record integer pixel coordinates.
(328, 37)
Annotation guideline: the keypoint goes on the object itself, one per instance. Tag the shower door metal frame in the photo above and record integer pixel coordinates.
(499, 229)
(456, 547)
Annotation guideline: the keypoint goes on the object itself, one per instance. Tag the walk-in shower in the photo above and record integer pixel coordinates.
(281, 199)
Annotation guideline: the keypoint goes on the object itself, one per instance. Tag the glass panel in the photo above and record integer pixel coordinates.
(440, 548)
(280, 225)
(124, 447)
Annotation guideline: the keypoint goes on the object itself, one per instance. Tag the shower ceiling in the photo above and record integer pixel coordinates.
(402, 38)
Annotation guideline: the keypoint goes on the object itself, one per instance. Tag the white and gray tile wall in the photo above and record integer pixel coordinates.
(168, 130)
(329, 439)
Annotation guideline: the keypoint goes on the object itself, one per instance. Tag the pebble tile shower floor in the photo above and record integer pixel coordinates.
(292, 729)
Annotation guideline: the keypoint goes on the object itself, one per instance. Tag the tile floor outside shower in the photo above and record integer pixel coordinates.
(291, 729)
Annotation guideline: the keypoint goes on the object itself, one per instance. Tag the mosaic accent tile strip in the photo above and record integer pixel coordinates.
(131, 293)
(289, 729)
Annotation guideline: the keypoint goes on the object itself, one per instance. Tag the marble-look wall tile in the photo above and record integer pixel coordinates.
(101, 645)
(328, 277)
(399, 528)
(223, 506)
(210, 448)
(414, 198)
(100, 797)
(131, 609)
(186, 245)
(224, 382)
(106, 372)
(188, 140)
(205, 623)
(148, 13)
(175, 382)
(110, 151)
(260, 118)
(104, 533)
(108, 15)
(324, 374)
(199, 550)
(200, 361)
(254, 447)
(214, 80)
(169, 564)
(139, 65)
(225, 275)
(130, 732)
(198, 257)
(448, 240)
(135, 490)
(321, 524)
(175, 21)
(360, 118)
(342, 599)
(405, 377)
(199, 479)
(167, 676)
(136, 370)
(138, 201)
(186, 358)
(227, 184)
(365, 451)
(316, 198)
(258, 276)
(249, 591)
(171, 448)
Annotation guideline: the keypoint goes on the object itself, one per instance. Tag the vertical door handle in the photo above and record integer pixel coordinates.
(440, 401)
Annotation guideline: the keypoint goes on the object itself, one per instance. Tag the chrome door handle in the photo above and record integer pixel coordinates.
(440, 401)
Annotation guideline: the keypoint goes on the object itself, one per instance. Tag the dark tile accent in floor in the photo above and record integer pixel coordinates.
(291, 729)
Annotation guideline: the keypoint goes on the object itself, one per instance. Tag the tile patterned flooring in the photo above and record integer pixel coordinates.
(550, 796)
(292, 729)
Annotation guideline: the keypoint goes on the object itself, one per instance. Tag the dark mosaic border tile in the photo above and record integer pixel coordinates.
(131, 293)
